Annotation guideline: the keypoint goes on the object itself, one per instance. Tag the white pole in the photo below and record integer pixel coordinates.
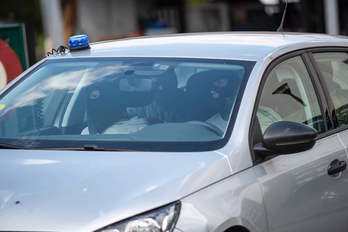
(331, 17)
(52, 22)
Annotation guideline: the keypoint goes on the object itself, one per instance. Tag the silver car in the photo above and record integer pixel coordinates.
(221, 132)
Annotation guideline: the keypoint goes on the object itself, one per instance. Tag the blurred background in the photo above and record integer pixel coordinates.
(33, 27)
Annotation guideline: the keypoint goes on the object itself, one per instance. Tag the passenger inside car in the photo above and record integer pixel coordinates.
(208, 94)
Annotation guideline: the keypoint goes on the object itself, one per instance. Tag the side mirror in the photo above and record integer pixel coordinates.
(286, 137)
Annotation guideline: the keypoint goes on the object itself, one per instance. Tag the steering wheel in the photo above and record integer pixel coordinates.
(209, 126)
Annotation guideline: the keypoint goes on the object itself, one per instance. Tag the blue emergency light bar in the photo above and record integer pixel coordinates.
(78, 42)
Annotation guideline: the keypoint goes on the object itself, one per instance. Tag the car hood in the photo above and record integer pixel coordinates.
(86, 190)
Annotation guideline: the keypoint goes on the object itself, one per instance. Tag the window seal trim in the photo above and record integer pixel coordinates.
(319, 91)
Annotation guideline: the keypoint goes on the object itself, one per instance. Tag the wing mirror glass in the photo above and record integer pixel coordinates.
(285, 137)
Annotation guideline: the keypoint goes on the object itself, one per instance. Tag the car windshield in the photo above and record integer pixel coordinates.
(123, 103)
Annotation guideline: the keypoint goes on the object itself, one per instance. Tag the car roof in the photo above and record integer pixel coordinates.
(219, 45)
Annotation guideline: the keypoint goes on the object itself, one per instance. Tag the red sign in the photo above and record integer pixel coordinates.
(10, 66)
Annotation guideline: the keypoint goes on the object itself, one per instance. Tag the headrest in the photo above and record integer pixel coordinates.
(206, 83)
(206, 79)
(137, 90)
(168, 80)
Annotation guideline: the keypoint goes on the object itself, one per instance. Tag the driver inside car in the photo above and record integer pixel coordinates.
(145, 100)
(107, 115)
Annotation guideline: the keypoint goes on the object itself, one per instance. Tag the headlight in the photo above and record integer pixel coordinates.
(158, 220)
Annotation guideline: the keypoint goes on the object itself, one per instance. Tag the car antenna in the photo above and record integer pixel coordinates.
(281, 26)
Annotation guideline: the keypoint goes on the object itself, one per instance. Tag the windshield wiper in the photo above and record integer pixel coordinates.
(10, 146)
(83, 147)
(96, 148)
(89, 148)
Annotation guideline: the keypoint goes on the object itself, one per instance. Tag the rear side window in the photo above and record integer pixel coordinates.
(333, 67)
(288, 95)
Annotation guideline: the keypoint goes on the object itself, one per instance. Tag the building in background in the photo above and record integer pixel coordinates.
(49, 23)
(112, 19)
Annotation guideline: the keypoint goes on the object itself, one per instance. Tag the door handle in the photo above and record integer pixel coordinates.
(336, 167)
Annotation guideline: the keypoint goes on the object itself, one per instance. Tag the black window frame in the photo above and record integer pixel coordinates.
(305, 55)
(335, 127)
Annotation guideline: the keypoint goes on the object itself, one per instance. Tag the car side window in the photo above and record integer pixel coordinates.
(288, 95)
(333, 67)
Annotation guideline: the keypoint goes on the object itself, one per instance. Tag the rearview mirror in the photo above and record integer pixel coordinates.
(285, 137)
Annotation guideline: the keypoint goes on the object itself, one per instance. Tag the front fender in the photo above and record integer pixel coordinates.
(234, 201)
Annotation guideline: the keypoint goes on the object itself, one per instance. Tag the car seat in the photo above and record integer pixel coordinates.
(166, 96)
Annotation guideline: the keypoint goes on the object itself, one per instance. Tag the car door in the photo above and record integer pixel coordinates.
(299, 194)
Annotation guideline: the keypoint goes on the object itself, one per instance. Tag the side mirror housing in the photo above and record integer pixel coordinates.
(285, 137)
